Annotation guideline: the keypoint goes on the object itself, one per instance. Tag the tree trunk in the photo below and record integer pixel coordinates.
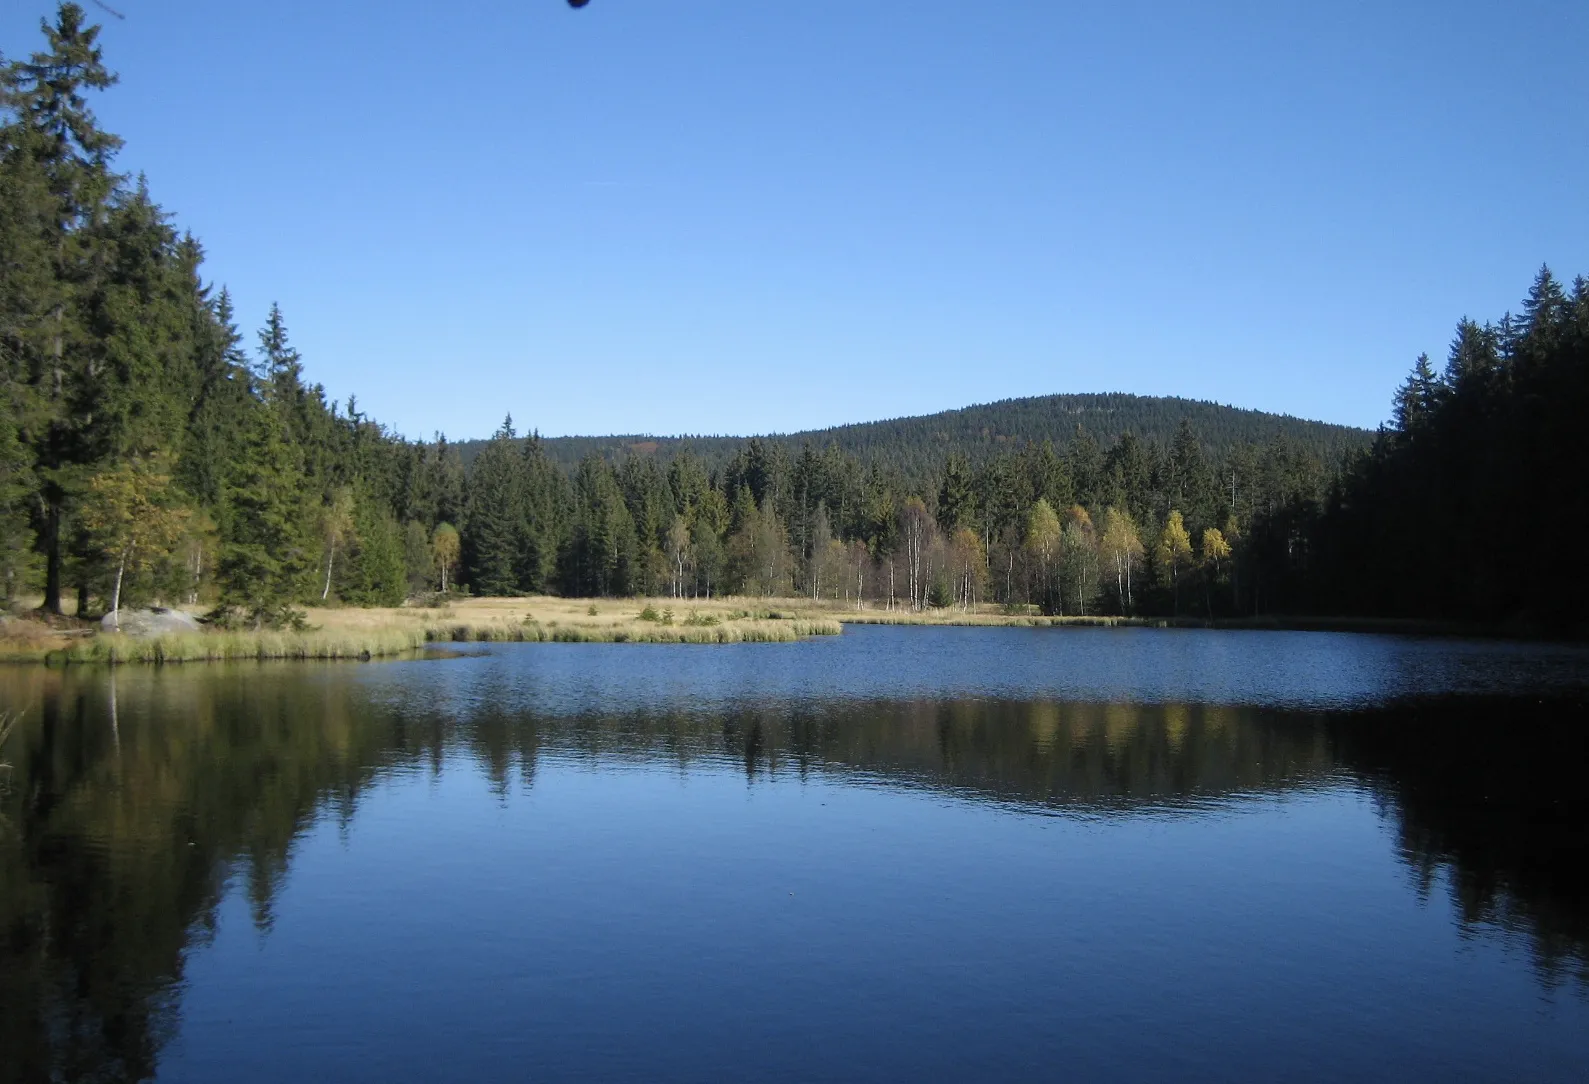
(331, 556)
(52, 558)
(115, 593)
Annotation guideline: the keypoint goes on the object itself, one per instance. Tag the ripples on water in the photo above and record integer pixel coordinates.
(962, 853)
(1317, 670)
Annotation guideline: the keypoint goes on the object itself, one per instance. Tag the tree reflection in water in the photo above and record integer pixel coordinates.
(134, 800)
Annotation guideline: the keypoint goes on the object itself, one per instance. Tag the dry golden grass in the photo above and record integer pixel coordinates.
(351, 633)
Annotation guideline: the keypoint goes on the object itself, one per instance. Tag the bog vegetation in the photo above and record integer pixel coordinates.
(150, 451)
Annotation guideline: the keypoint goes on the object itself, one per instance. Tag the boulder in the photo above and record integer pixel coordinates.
(151, 622)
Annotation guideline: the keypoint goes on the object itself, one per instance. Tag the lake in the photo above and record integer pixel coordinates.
(903, 853)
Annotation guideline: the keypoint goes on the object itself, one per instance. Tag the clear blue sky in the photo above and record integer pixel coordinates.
(755, 215)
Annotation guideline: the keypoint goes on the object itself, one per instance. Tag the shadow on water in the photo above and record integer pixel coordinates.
(132, 805)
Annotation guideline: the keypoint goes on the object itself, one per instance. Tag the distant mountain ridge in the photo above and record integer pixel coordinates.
(920, 443)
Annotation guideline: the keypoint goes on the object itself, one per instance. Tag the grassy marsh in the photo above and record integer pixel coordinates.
(350, 633)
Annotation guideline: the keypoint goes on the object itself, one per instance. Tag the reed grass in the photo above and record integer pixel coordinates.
(989, 620)
(636, 632)
(238, 646)
(366, 637)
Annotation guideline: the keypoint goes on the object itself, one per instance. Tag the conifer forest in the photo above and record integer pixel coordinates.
(157, 445)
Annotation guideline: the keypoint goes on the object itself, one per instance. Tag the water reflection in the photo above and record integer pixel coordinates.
(134, 799)
(1489, 793)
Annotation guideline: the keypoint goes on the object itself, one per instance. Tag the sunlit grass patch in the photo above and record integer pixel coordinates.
(636, 632)
(237, 646)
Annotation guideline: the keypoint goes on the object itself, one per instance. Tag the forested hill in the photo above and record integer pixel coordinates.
(917, 446)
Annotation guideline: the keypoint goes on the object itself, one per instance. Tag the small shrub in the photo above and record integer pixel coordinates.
(265, 617)
(650, 614)
(592, 610)
(667, 616)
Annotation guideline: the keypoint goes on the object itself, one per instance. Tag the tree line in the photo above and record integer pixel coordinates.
(1132, 528)
(150, 451)
(1470, 505)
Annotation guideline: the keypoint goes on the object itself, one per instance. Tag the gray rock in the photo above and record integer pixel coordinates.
(151, 622)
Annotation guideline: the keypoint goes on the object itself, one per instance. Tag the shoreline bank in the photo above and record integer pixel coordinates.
(362, 634)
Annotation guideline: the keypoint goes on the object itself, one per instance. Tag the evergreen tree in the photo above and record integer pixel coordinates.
(376, 573)
(265, 558)
(58, 166)
(546, 518)
(494, 527)
(1086, 468)
(956, 501)
(419, 561)
(1189, 481)
(221, 401)
(1128, 476)
(16, 484)
(1417, 398)
(1047, 476)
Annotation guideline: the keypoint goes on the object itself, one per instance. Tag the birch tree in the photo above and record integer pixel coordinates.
(1043, 531)
(444, 543)
(132, 513)
(678, 553)
(915, 531)
(1121, 549)
(968, 567)
(336, 524)
(1172, 554)
(1079, 557)
(1215, 552)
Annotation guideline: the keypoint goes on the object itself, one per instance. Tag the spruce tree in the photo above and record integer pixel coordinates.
(495, 523)
(956, 500)
(59, 158)
(265, 560)
(16, 489)
(419, 559)
(1086, 468)
(221, 401)
(376, 572)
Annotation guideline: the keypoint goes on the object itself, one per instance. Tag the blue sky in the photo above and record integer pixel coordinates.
(767, 215)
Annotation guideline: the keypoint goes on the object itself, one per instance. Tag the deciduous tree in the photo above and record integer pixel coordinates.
(134, 516)
(1121, 549)
(1172, 554)
(445, 546)
(1043, 540)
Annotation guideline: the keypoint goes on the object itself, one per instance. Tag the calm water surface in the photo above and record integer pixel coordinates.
(937, 854)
